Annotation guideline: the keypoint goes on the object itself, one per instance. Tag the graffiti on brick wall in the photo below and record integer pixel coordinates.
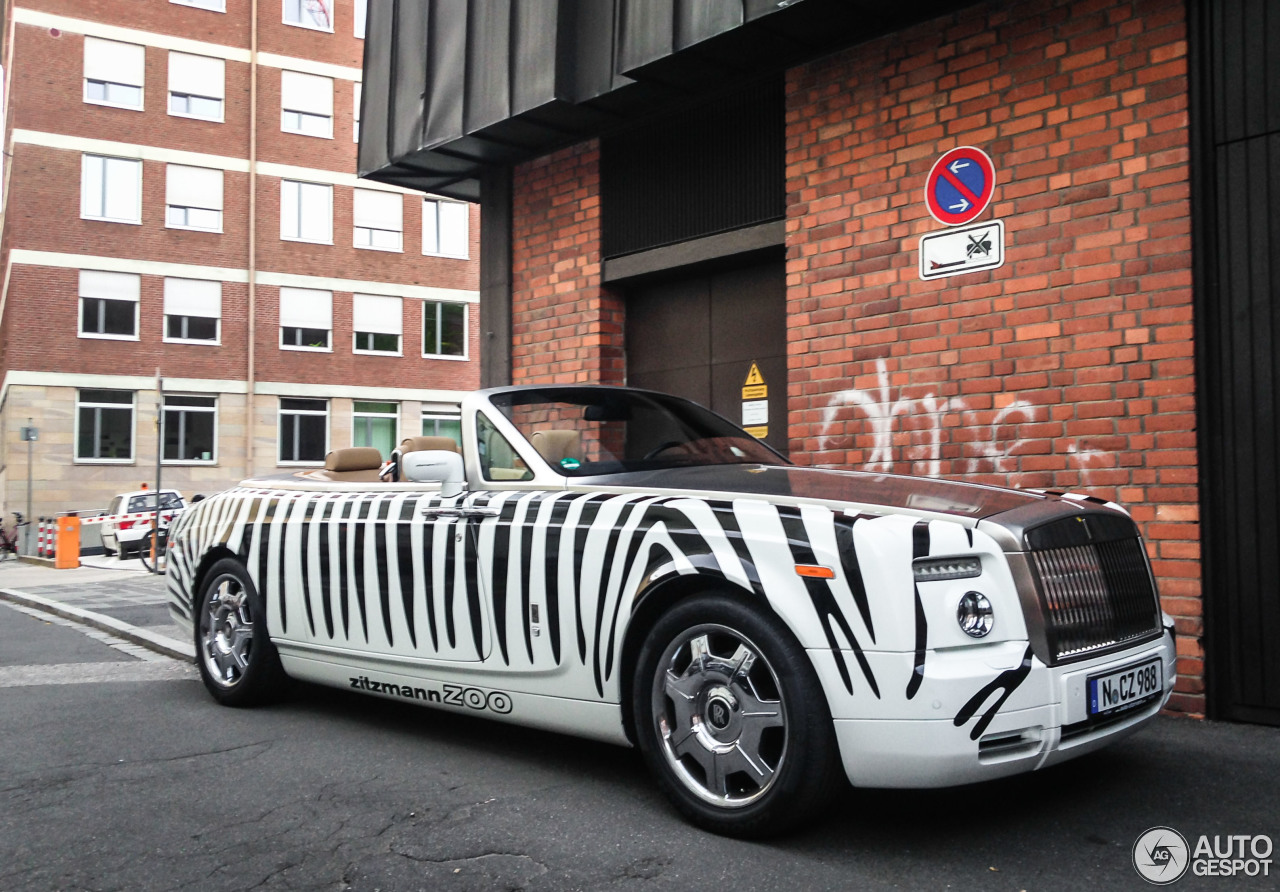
(907, 434)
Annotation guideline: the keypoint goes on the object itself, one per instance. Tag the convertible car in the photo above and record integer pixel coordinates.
(628, 566)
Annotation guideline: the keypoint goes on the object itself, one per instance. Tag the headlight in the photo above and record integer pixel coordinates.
(974, 614)
(933, 569)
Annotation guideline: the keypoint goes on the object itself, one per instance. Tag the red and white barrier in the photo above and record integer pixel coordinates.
(128, 518)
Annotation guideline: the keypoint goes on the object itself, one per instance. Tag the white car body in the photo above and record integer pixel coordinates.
(525, 600)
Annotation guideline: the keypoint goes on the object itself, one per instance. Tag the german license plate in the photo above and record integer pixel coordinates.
(1125, 688)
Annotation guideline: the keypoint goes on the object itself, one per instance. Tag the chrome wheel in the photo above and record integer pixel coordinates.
(226, 632)
(720, 715)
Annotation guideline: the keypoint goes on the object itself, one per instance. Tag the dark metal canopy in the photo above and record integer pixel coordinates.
(453, 87)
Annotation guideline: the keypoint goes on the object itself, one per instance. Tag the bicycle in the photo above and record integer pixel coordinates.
(8, 540)
(153, 547)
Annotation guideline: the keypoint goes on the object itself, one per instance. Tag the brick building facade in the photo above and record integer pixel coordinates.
(179, 196)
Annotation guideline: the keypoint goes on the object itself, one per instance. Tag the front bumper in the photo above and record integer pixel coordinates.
(923, 742)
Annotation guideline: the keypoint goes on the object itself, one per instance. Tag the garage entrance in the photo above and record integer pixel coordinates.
(697, 337)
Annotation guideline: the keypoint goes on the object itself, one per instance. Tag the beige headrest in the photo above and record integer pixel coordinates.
(353, 458)
(554, 445)
(420, 444)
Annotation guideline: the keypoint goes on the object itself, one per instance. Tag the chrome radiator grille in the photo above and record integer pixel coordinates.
(1095, 588)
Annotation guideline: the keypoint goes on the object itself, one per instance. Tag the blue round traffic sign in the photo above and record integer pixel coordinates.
(960, 185)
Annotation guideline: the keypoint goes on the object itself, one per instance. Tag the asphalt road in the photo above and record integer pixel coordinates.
(120, 773)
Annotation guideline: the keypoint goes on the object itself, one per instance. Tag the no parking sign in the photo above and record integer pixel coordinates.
(960, 186)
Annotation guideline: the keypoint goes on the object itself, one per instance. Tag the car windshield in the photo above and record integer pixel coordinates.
(585, 432)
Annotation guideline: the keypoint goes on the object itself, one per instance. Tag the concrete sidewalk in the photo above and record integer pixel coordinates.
(118, 597)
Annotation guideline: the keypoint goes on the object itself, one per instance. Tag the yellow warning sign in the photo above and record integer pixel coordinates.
(758, 432)
(754, 387)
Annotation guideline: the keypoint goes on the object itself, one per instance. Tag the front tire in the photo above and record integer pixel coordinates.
(238, 663)
(731, 719)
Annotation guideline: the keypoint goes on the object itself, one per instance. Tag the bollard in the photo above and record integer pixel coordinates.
(40, 537)
(67, 544)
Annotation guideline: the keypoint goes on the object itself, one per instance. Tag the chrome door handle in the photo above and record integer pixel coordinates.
(461, 512)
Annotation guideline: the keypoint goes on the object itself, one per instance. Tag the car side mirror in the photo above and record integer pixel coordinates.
(434, 466)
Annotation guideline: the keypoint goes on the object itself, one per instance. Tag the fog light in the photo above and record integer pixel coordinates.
(974, 614)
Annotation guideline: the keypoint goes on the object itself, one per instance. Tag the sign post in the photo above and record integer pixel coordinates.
(30, 434)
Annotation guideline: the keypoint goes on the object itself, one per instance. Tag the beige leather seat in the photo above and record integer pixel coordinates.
(554, 445)
(355, 464)
(419, 444)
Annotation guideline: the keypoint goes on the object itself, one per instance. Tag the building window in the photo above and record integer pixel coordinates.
(110, 189)
(304, 430)
(193, 198)
(379, 219)
(306, 104)
(355, 113)
(104, 425)
(377, 322)
(445, 227)
(306, 319)
(109, 305)
(316, 14)
(114, 73)
(362, 12)
(211, 5)
(192, 310)
(197, 86)
(443, 426)
(374, 424)
(190, 425)
(444, 329)
(306, 212)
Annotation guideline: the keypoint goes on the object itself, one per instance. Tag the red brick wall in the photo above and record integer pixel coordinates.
(43, 209)
(566, 327)
(1072, 366)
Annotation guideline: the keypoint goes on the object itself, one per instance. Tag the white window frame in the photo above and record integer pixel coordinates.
(221, 98)
(356, 330)
(133, 428)
(173, 175)
(295, 83)
(361, 18)
(210, 5)
(211, 410)
(364, 215)
(466, 331)
(356, 415)
(106, 161)
(141, 88)
(281, 412)
(217, 338)
(431, 206)
(304, 294)
(356, 93)
(131, 282)
(302, 6)
(301, 184)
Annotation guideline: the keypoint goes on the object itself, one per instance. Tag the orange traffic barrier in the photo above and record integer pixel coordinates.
(67, 543)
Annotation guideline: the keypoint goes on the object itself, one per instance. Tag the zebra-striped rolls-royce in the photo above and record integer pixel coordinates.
(628, 566)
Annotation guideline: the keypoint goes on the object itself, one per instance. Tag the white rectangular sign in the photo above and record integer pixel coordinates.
(755, 412)
(967, 249)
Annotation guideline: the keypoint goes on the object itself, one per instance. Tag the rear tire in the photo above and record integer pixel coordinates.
(238, 663)
(732, 720)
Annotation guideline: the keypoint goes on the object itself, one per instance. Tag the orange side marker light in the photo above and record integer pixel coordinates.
(814, 571)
